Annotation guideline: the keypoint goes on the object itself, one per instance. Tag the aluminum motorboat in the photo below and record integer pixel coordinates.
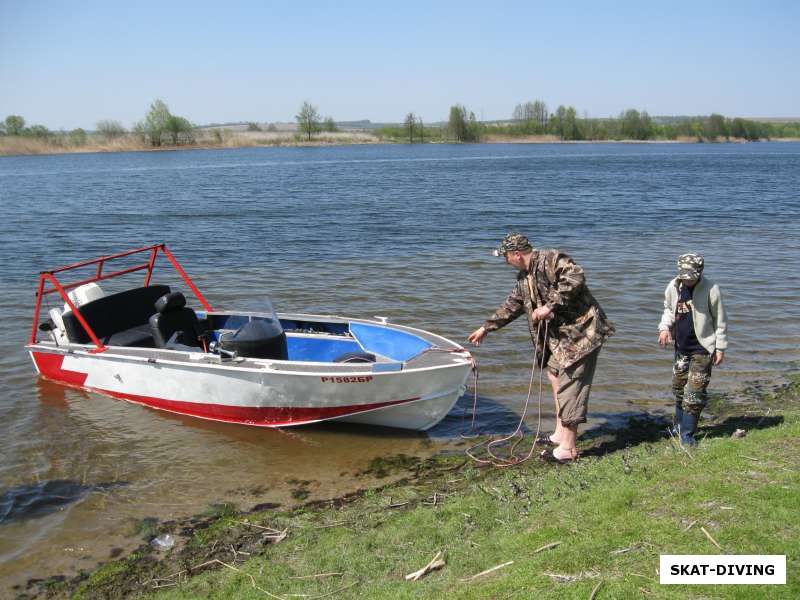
(145, 345)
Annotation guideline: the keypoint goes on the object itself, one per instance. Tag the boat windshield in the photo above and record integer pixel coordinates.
(264, 305)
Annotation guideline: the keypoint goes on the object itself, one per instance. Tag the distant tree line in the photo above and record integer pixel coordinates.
(15, 125)
(534, 118)
(531, 118)
(158, 127)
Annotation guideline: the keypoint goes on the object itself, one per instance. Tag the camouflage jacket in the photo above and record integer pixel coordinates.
(578, 326)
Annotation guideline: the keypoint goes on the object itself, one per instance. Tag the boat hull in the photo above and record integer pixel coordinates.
(268, 396)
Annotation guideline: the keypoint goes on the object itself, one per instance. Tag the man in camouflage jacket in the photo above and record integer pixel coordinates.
(552, 292)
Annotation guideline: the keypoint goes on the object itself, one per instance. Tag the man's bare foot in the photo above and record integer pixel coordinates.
(558, 456)
(565, 454)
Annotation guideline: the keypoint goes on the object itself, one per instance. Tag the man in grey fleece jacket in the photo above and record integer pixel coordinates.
(694, 318)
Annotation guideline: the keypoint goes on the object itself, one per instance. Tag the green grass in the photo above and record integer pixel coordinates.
(105, 577)
(612, 515)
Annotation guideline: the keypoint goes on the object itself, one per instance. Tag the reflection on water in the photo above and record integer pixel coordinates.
(398, 231)
(39, 499)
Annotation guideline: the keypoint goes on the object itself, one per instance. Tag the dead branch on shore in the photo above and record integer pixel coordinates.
(711, 539)
(249, 524)
(547, 547)
(486, 572)
(232, 568)
(437, 562)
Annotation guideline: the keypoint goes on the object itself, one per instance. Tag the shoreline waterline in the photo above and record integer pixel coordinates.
(44, 149)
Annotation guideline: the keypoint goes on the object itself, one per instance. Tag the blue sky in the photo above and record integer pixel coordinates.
(69, 64)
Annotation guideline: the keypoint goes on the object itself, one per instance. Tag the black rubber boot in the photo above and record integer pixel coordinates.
(688, 426)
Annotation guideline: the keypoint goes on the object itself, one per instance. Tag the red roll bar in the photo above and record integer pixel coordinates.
(61, 289)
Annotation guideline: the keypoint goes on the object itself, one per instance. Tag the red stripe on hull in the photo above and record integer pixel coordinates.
(50, 366)
(259, 416)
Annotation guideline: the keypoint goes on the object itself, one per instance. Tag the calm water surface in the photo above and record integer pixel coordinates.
(378, 230)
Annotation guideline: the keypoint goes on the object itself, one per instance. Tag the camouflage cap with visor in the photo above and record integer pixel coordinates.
(690, 266)
(511, 243)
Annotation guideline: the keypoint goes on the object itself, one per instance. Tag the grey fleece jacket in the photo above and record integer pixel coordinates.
(708, 313)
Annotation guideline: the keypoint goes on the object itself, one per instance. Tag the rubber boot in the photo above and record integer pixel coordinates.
(676, 421)
(688, 426)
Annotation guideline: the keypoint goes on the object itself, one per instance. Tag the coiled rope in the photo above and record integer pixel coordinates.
(512, 458)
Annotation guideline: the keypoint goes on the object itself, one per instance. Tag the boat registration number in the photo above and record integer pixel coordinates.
(354, 379)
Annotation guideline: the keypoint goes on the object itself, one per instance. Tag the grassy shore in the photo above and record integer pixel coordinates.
(592, 529)
(23, 146)
(19, 146)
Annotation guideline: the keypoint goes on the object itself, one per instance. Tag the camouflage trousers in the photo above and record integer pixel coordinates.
(690, 377)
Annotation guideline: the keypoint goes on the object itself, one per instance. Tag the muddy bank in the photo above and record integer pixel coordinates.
(227, 539)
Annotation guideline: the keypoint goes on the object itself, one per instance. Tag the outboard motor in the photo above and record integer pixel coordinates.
(261, 338)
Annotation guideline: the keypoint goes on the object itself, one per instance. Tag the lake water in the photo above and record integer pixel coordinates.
(400, 231)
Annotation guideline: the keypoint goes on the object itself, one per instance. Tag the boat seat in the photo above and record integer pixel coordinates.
(174, 323)
(118, 319)
(139, 336)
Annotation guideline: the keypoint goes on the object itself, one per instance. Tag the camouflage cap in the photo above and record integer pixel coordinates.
(690, 265)
(513, 241)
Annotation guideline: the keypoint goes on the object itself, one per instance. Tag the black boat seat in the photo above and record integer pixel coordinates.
(175, 324)
(117, 320)
(139, 336)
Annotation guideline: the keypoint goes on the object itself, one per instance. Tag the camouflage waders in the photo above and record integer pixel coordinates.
(690, 377)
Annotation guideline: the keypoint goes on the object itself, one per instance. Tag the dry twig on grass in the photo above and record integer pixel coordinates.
(547, 547)
(689, 526)
(318, 576)
(336, 591)
(632, 547)
(486, 572)
(437, 562)
(680, 445)
(270, 529)
(232, 568)
(594, 591)
(158, 586)
(711, 539)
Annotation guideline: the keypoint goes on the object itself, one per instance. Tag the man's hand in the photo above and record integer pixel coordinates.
(476, 337)
(664, 338)
(719, 356)
(543, 313)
